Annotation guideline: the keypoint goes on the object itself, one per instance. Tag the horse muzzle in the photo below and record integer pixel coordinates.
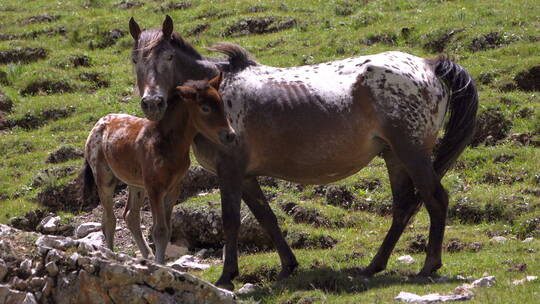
(153, 107)
(227, 137)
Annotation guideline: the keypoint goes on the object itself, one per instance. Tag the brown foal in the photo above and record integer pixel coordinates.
(152, 156)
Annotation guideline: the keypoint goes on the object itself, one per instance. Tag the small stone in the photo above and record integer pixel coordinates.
(188, 262)
(53, 256)
(73, 260)
(462, 278)
(26, 267)
(55, 241)
(84, 261)
(406, 259)
(49, 224)
(49, 285)
(52, 268)
(498, 239)
(29, 299)
(528, 240)
(3, 270)
(174, 251)
(96, 239)
(525, 280)
(86, 228)
(37, 282)
(19, 283)
(487, 281)
(430, 298)
(247, 288)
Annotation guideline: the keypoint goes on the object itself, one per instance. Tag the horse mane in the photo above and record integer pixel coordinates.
(199, 85)
(239, 58)
(150, 39)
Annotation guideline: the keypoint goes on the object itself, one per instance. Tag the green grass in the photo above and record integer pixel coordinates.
(488, 197)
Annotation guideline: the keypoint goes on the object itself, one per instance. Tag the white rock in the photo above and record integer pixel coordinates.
(484, 282)
(526, 279)
(85, 228)
(528, 240)
(247, 288)
(55, 241)
(49, 224)
(174, 251)
(188, 262)
(3, 270)
(408, 297)
(462, 278)
(29, 299)
(96, 239)
(498, 239)
(26, 266)
(406, 259)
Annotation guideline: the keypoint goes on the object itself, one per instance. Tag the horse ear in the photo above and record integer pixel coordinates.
(167, 27)
(216, 81)
(134, 29)
(187, 92)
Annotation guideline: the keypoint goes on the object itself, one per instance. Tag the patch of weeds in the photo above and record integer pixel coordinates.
(486, 77)
(32, 121)
(40, 19)
(455, 245)
(491, 127)
(198, 29)
(527, 228)
(490, 41)
(305, 240)
(258, 8)
(385, 38)
(63, 154)
(106, 39)
(309, 216)
(417, 244)
(261, 274)
(126, 4)
(365, 18)
(466, 211)
(97, 80)
(50, 176)
(171, 6)
(4, 78)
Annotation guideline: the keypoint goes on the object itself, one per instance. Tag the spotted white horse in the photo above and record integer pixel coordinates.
(318, 124)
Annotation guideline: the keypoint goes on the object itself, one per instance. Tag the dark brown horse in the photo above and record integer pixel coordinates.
(152, 157)
(318, 124)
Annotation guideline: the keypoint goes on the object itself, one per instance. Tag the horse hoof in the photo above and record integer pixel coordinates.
(366, 272)
(225, 285)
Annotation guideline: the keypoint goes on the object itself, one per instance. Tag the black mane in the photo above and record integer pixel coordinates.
(239, 58)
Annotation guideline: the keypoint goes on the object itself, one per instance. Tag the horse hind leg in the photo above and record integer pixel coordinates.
(106, 183)
(405, 204)
(132, 216)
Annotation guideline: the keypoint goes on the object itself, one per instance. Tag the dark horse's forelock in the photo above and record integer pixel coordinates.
(150, 41)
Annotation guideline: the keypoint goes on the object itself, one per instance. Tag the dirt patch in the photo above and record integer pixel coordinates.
(438, 41)
(528, 228)
(417, 244)
(32, 121)
(80, 60)
(125, 4)
(385, 38)
(40, 19)
(262, 274)
(171, 6)
(68, 197)
(6, 104)
(257, 9)
(475, 246)
(492, 126)
(525, 112)
(306, 215)
(47, 87)
(268, 181)
(198, 29)
(455, 245)
(489, 41)
(470, 212)
(64, 154)
(528, 80)
(367, 184)
(525, 139)
(97, 80)
(106, 39)
(197, 180)
(50, 175)
(304, 240)
(261, 25)
(516, 267)
(465, 211)
(4, 78)
(496, 178)
(339, 196)
(503, 158)
(23, 55)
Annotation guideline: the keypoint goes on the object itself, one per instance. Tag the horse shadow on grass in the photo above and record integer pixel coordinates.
(343, 281)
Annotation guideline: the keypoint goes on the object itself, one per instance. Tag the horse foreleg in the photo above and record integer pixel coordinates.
(106, 183)
(160, 230)
(230, 184)
(405, 204)
(257, 203)
(132, 216)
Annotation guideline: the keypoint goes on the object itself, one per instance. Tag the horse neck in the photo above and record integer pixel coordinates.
(176, 127)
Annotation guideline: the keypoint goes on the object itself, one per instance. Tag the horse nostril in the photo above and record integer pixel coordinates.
(159, 100)
(144, 104)
(230, 137)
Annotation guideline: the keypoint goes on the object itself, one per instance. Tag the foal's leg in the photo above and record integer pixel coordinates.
(230, 184)
(405, 204)
(132, 217)
(160, 229)
(106, 183)
(257, 203)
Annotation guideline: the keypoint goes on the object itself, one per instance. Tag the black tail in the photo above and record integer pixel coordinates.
(463, 105)
(89, 184)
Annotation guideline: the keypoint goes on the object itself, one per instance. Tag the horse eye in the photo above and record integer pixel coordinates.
(205, 109)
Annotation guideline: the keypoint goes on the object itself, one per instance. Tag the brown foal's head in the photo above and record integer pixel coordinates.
(206, 110)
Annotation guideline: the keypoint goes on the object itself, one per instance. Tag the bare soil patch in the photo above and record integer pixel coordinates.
(47, 87)
(64, 154)
(386, 38)
(40, 19)
(260, 25)
(528, 80)
(438, 41)
(98, 80)
(171, 6)
(24, 55)
(126, 4)
(492, 126)
(488, 41)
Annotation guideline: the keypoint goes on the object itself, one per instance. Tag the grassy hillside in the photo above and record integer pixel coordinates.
(64, 64)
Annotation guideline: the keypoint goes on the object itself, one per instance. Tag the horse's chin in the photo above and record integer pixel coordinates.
(154, 115)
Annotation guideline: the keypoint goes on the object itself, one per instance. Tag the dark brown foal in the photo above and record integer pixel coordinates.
(153, 156)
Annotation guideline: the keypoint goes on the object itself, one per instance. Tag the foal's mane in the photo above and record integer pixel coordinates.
(239, 58)
(150, 40)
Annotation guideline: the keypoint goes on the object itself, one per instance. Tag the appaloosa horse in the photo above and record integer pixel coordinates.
(152, 156)
(320, 123)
